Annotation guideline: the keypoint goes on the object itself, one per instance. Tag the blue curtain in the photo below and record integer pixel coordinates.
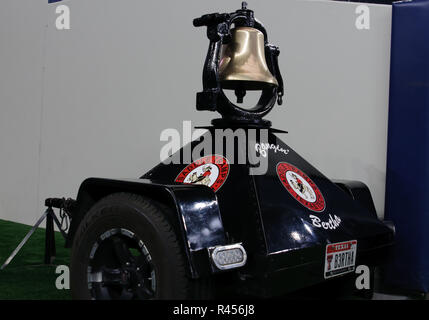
(407, 180)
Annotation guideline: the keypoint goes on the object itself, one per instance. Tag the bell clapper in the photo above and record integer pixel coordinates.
(240, 93)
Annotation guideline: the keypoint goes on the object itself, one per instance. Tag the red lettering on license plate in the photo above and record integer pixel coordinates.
(340, 258)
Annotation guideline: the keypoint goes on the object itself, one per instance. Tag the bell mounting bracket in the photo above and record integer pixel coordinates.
(212, 98)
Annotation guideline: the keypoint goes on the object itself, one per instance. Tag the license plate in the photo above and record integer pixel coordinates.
(340, 258)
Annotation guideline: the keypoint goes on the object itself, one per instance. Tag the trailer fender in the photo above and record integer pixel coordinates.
(359, 191)
(194, 213)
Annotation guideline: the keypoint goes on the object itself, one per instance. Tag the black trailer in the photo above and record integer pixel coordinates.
(210, 227)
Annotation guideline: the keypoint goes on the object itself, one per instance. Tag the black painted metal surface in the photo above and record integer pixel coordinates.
(279, 232)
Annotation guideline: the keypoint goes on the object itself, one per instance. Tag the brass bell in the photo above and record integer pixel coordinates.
(242, 65)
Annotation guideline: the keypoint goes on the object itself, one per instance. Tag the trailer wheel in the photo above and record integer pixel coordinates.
(126, 249)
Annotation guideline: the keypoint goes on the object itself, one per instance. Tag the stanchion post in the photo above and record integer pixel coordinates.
(50, 251)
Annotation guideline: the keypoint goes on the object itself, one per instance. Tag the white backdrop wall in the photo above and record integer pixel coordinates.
(93, 100)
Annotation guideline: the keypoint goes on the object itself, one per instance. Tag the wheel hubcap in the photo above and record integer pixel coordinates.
(120, 267)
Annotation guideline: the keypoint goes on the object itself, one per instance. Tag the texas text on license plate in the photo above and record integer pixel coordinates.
(340, 258)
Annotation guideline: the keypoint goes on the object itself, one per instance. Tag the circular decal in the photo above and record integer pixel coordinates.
(301, 187)
(210, 171)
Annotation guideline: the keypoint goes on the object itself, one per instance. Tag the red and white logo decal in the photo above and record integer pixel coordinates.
(211, 171)
(301, 187)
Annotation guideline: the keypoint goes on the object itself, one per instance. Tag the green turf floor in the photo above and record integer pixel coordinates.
(27, 277)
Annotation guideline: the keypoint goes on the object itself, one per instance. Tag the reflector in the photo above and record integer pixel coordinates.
(230, 256)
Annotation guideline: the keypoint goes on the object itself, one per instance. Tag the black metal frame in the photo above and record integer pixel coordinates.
(51, 218)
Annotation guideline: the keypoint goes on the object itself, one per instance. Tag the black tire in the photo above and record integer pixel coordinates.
(115, 227)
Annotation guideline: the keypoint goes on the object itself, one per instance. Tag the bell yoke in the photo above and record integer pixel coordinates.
(211, 228)
(239, 59)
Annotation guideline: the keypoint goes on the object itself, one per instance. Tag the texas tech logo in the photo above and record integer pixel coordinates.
(210, 171)
(301, 187)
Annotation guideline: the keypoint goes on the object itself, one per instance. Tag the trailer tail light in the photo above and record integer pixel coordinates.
(229, 256)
